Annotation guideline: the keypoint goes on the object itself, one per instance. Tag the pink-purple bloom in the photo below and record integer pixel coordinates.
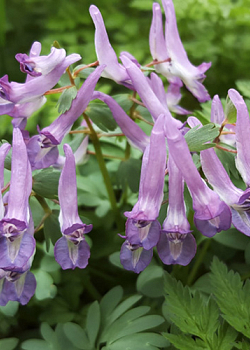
(176, 244)
(17, 244)
(170, 49)
(42, 148)
(142, 228)
(71, 250)
(104, 51)
(211, 215)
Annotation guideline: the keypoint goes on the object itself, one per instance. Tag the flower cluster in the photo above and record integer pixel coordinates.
(165, 155)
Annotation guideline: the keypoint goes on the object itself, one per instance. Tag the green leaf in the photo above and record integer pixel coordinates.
(52, 231)
(110, 301)
(124, 101)
(245, 345)
(77, 335)
(66, 98)
(232, 238)
(114, 258)
(8, 343)
(224, 339)
(230, 111)
(101, 116)
(244, 87)
(150, 282)
(129, 173)
(45, 183)
(49, 335)
(197, 138)
(64, 342)
(139, 341)
(35, 344)
(232, 297)
(190, 311)
(45, 287)
(93, 322)
(185, 342)
(10, 309)
(134, 326)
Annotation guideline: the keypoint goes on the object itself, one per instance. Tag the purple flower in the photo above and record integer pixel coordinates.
(42, 148)
(237, 199)
(104, 51)
(71, 250)
(16, 286)
(135, 258)
(136, 137)
(16, 243)
(178, 66)
(142, 228)
(176, 245)
(21, 100)
(242, 136)
(211, 214)
(170, 99)
(147, 91)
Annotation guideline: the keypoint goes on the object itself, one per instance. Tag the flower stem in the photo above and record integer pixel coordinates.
(198, 262)
(104, 171)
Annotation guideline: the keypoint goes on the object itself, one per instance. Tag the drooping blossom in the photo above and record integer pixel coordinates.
(16, 243)
(105, 53)
(242, 131)
(153, 103)
(211, 215)
(71, 250)
(169, 99)
(170, 49)
(142, 228)
(18, 284)
(136, 137)
(20, 100)
(176, 244)
(42, 148)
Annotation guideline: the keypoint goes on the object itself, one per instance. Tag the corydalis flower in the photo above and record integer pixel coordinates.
(242, 136)
(211, 214)
(142, 228)
(136, 137)
(21, 100)
(42, 148)
(237, 199)
(171, 50)
(71, 250)
(104, 51)
(16, 243)
(176, 245)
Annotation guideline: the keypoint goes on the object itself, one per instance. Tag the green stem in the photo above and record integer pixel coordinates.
(198, 262)
(104, 172)
(43, 204)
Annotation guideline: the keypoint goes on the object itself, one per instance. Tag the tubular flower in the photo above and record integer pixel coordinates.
(178, 65)
(16, 243)
(153, 103)
(42, 148)
(237, 199)
(176, 245)
(170, 99)
(142, 228)
(136, 137)
(105, 53)
(21, 100)
(71, 250)
(242, 135)
(211, 214)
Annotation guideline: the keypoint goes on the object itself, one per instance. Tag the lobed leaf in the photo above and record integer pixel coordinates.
(200, 139)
